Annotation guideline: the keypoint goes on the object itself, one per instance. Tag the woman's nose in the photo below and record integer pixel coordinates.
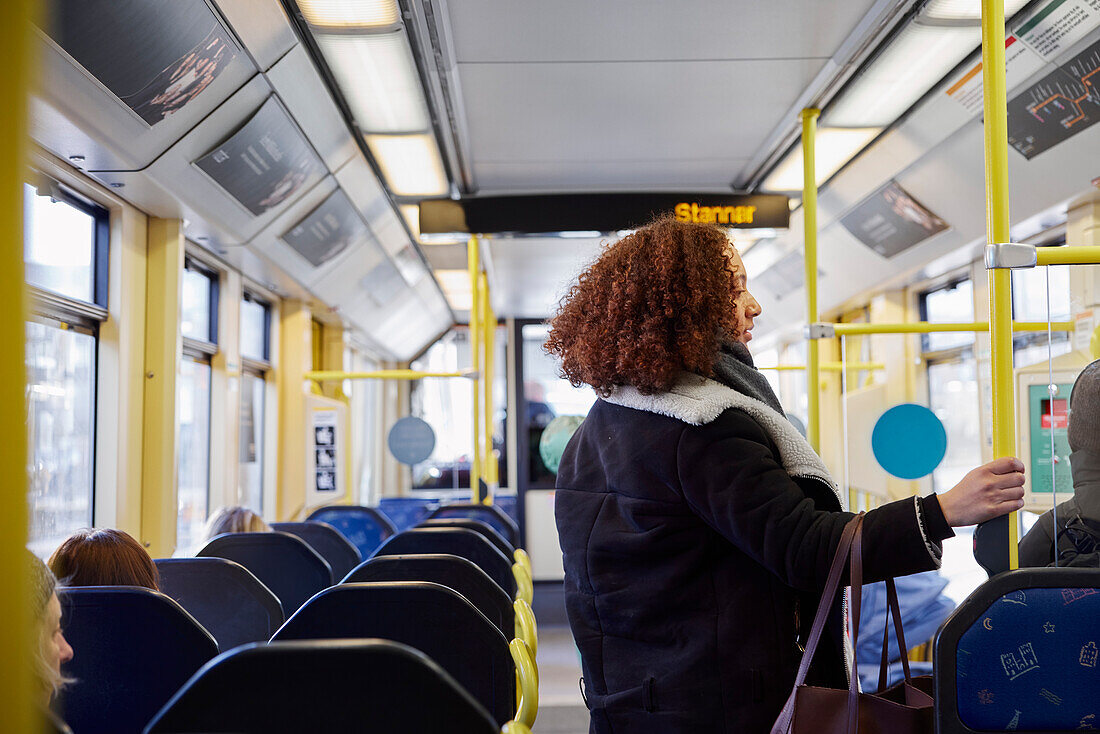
(754, 307)
(66, 650)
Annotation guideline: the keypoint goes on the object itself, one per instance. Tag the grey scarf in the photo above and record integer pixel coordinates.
(735, 370)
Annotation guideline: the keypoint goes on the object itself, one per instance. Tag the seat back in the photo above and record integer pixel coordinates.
(1021, 653)
(329, 543)
(226, 599)
(407, 512)
(457, 542)
(365, 527)
(431, 618)
(450, 571)
(323, 686)
(491, 515)
(477, 526)
(133, 648)
(283, 562)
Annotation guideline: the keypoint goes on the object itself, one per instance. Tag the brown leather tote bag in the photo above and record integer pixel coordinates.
(905, 708)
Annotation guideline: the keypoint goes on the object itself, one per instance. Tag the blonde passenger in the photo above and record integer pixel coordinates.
(51, 649)
(234, 520)
(106, 557)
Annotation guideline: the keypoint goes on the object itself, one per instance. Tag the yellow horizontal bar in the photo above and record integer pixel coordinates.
(1073, 255)
(828, 366)
(927, 328)
(338, 375)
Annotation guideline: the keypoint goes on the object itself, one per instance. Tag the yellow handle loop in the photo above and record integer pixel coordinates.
(526, 627)
(524, 588)
(528, 707)
(521, 557)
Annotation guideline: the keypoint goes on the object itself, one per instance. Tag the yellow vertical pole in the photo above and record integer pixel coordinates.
(295, 359)
(488, 331)
(809, 225)
(473, 265)
(997, 230)
(163, 348)
(15, 622)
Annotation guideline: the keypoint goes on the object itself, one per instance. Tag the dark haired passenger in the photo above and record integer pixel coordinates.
(105, 557)
(697, 524)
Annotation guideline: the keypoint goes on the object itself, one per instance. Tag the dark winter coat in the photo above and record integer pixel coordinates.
(1078, 531)
(697, 534)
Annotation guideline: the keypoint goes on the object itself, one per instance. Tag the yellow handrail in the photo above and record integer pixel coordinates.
(995, 107)
(924, 327)
(525, 589)
(16, 638)
(339, 375)
(526, 627)
(528, 706)
(1072, 255)
(521, 557)
(809, 229)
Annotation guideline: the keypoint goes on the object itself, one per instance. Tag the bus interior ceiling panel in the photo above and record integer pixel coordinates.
(533, 292)
(262, 27)
(360, 184)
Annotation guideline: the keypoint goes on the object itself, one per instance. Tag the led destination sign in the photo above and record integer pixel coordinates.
(598, 212)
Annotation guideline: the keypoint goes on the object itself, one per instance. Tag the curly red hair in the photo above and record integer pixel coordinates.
(654, 304)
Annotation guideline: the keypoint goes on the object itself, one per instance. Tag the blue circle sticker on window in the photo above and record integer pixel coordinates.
(411, 440)
(909, 441)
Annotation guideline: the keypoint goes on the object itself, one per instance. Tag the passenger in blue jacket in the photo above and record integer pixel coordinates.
(697, 524)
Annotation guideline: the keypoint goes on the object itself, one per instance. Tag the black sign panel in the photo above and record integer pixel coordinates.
(891, 221)
(328, 230)
(154, 55)
(599, 212)
(1058, 106)
(265, 162)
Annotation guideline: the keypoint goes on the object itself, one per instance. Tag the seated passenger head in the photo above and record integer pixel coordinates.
(234, 520)
(1084, 410)
(105, 557)
(50, 647)
(661, 301)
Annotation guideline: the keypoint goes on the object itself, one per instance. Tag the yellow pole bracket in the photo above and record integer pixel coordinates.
(339, 376)
(528, 707)
(526, 627)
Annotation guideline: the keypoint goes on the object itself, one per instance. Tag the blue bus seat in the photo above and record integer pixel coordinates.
(226, 599)
(457, 542)
(477, 526)
(492, 515)
(448, 570)
(433, 619)
(1020, 653)
(407, 512)
(365, 527)
(329, 543)
(133, 649)
(283, 562)
(322, 686)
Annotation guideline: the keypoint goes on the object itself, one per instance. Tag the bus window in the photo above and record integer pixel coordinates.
(65, 246)
(255, 356)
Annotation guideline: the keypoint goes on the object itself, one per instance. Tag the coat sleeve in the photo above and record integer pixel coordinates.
(731, 479)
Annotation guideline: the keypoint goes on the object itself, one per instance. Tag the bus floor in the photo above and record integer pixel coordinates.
(561, 708)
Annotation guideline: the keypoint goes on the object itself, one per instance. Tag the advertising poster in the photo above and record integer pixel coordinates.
(324, 451)
(891, 221)
(328, 230)
(265, 162)
(154, 55)
(1058, 106)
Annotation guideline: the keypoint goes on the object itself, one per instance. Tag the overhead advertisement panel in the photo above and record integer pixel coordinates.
(328, 230)
(599, 212)
(154, 56)
(265, 162)
(891, 221)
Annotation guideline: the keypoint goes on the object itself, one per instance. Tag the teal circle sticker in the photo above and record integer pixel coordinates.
(411, 440)
(909, 441)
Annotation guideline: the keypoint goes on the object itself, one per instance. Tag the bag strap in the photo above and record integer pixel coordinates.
(894, 609)
(783, 723)
(855, 577)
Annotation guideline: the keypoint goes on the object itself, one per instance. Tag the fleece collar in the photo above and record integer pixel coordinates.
(696, 400)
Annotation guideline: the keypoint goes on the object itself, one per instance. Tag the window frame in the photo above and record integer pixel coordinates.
(927, 353)
(256, 364)
(203, 346)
